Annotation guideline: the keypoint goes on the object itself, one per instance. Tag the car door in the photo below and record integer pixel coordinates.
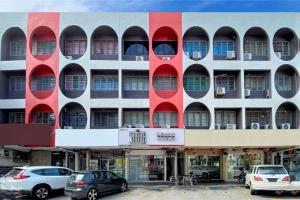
(53, 178)
(115, 182)
(102, 182)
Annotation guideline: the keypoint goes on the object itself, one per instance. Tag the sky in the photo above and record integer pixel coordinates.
(150, 5)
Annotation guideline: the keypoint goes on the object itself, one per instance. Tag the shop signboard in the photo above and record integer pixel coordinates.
(151, 136)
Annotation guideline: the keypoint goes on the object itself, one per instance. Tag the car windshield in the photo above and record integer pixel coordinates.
(271, 170)
(13, 172)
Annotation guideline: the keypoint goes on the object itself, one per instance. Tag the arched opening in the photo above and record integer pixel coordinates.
(287, 81)
(196, 116)
(165, 115)
(13, 46)
(72, 116)
(287, 116)
(42, 114)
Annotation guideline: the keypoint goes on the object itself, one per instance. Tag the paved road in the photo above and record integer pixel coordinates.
(209, 192)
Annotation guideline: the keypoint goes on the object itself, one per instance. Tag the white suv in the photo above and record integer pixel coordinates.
(35, 181)
(267, 177)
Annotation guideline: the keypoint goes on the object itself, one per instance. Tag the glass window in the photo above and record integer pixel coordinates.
(190, 47)
(43, 47)
(135, 48)
(52, 172)
(17, 47)
(222, 46)
(16, 83)
(196, 83)
(165, 119)
(256, 48)
(255, 83)
(146, 168)
(165, 48)
(75, 47)
(283, 47)
(199, 164)
(43, 83)
(44, 118)
(75, 82)
(196, 118)
(225, 81)
(16, 117)
(64, 172)
(75, 119)
(105, 83)
(134, 83)
(225, 117)
(284, 116)
(106, 47)
(165, 82)
(283, 82)
(136, 117)
(258, 116)
(105, 119)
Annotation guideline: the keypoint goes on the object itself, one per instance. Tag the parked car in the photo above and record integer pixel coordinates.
(267, 177)
(37, 182)
(89, 184)
(205, 172)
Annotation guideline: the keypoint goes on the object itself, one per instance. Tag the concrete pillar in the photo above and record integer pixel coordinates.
(165, 167)
(76, 161)
(175, 165)
(87, 160)
(126, 164)
(185, 162)
(281, 158)
(273, 158)
(66, 159)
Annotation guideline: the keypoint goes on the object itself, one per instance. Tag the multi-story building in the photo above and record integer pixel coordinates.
(150, 95)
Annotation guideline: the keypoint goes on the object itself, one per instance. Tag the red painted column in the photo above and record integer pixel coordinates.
(173, 21)
(36, 21)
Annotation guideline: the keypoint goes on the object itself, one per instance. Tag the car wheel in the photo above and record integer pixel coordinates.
(180, 181)
(195, 182)
(92, 194)
(295, 192)
(41, 192)
(205, 176)
(123, 187)
(252, 192)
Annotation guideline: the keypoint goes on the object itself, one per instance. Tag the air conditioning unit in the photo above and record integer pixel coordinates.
(68, 127)
(166, 126)
(268, 93)
(220, 91)
(267, 126)
(247, 56)
(278, 54)
(69, 57)
(254, 125)
(230, 55)
(286, 126)
(166, 58)
(217, 126)
(231, 126)
(196, 55)
(139, 58)
(247, 92)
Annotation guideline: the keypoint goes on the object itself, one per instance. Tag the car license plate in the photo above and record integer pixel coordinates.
(272, 179)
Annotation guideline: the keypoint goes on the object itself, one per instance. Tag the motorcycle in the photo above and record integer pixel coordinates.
(242, 176)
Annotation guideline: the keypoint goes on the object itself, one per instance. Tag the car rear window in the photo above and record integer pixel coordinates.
(271, 170)
(13, 172)
(80, 176)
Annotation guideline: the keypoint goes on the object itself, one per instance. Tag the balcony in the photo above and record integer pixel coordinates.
(287, 116)
(136, 118)
(196, 81)
(227, 84)
(104, 118)
(258, 118)
(104, 44)
(12, 84)
(256, 45)
(287, 81)
(73, 116)
(104, 84)
(12, 116)
(196, 116)
(73, 42)
(42, 82)
(285, 44)
(135, 45)
(165, 43)
(13, 45)
(257, 84)
(228, 118)
(165, 115)
(42, 43)
(73, 81)
(226, 44)
(135, 84)
(195, 43)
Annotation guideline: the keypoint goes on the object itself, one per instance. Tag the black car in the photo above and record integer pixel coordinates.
(90, 184)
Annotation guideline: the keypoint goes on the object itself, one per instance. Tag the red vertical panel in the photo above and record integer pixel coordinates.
(174, 21)
(36, 20)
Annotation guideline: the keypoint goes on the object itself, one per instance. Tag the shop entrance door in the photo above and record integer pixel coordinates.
(107, 164)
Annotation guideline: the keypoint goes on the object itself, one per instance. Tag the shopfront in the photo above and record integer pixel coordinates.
(151, 154)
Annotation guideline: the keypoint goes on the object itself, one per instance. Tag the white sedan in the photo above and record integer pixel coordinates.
(268, 177)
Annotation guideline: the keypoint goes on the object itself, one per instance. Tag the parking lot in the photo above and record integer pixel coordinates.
(204, 191)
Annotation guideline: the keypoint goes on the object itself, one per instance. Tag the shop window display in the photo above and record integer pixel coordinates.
(204, 167)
